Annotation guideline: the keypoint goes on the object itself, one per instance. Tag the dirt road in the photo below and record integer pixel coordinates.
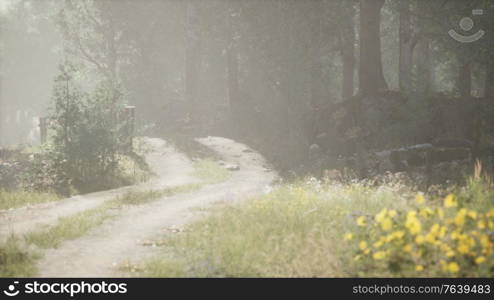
(121, 239)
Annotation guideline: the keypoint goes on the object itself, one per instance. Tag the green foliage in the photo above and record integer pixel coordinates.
(87, 138)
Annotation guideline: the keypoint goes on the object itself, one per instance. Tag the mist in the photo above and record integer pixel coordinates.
(313, 101)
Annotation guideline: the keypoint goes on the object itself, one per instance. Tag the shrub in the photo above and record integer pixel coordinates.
(87, 144)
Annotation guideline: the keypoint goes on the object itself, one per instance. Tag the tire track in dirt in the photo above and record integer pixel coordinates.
(171, 167)
(120, 239)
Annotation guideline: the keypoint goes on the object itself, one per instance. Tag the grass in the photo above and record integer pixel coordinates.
(295, 231)
(291, 232)
(209, 171)
(14, 261)
(15, 199)
(68, 228)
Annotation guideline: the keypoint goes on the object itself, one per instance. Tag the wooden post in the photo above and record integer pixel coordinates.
(43, 130)
(130, 115)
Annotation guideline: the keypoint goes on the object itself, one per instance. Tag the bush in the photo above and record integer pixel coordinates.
(87, 144)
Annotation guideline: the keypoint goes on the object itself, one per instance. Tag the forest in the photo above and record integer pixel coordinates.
(288, 125)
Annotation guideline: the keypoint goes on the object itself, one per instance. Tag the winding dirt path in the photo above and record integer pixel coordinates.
(171, 167)
(121, 239)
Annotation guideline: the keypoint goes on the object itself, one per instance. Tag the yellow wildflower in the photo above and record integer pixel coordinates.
(491, 225)
(412, 223)
(419, 239)
(472, 214)
(398, 234)
(426, 212)
(420, 198)
(378, 244)
(460, 217)
(450, 201)
(481, 224)
(361, 221)
(408, 248)
(442, 232)
(430, 238)
(453, 267)
(463, 248)
(379, 255)
(440, 213)
(479, 260)
(386, 224)
(362, 245)
(348, 236)
(419, 268)
(381, 215)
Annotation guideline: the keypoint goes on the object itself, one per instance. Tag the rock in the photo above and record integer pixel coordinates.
(247, 150)
(314, 147)
(314, 151)
(232, 167)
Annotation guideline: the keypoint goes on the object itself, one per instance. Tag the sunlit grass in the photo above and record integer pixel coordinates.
(292, 232)
(68, 228)
(298, 230)
(16, 199)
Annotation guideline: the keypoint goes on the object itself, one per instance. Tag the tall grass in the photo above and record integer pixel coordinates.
(295, 231)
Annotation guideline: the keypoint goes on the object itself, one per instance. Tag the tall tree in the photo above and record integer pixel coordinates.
(489, 81)
(192, 55)
(232, 58)
(406, 47)
(465, 78)
(90, 32)
(348, 49)
(371, 76)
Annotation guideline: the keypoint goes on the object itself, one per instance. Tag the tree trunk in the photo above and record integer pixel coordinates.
(406, 47)
(232, 63)
(425, 73)
(371, 76)
(465, 79)
(423, 52)
(489, 82)
(192, 56)
(348, 54)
